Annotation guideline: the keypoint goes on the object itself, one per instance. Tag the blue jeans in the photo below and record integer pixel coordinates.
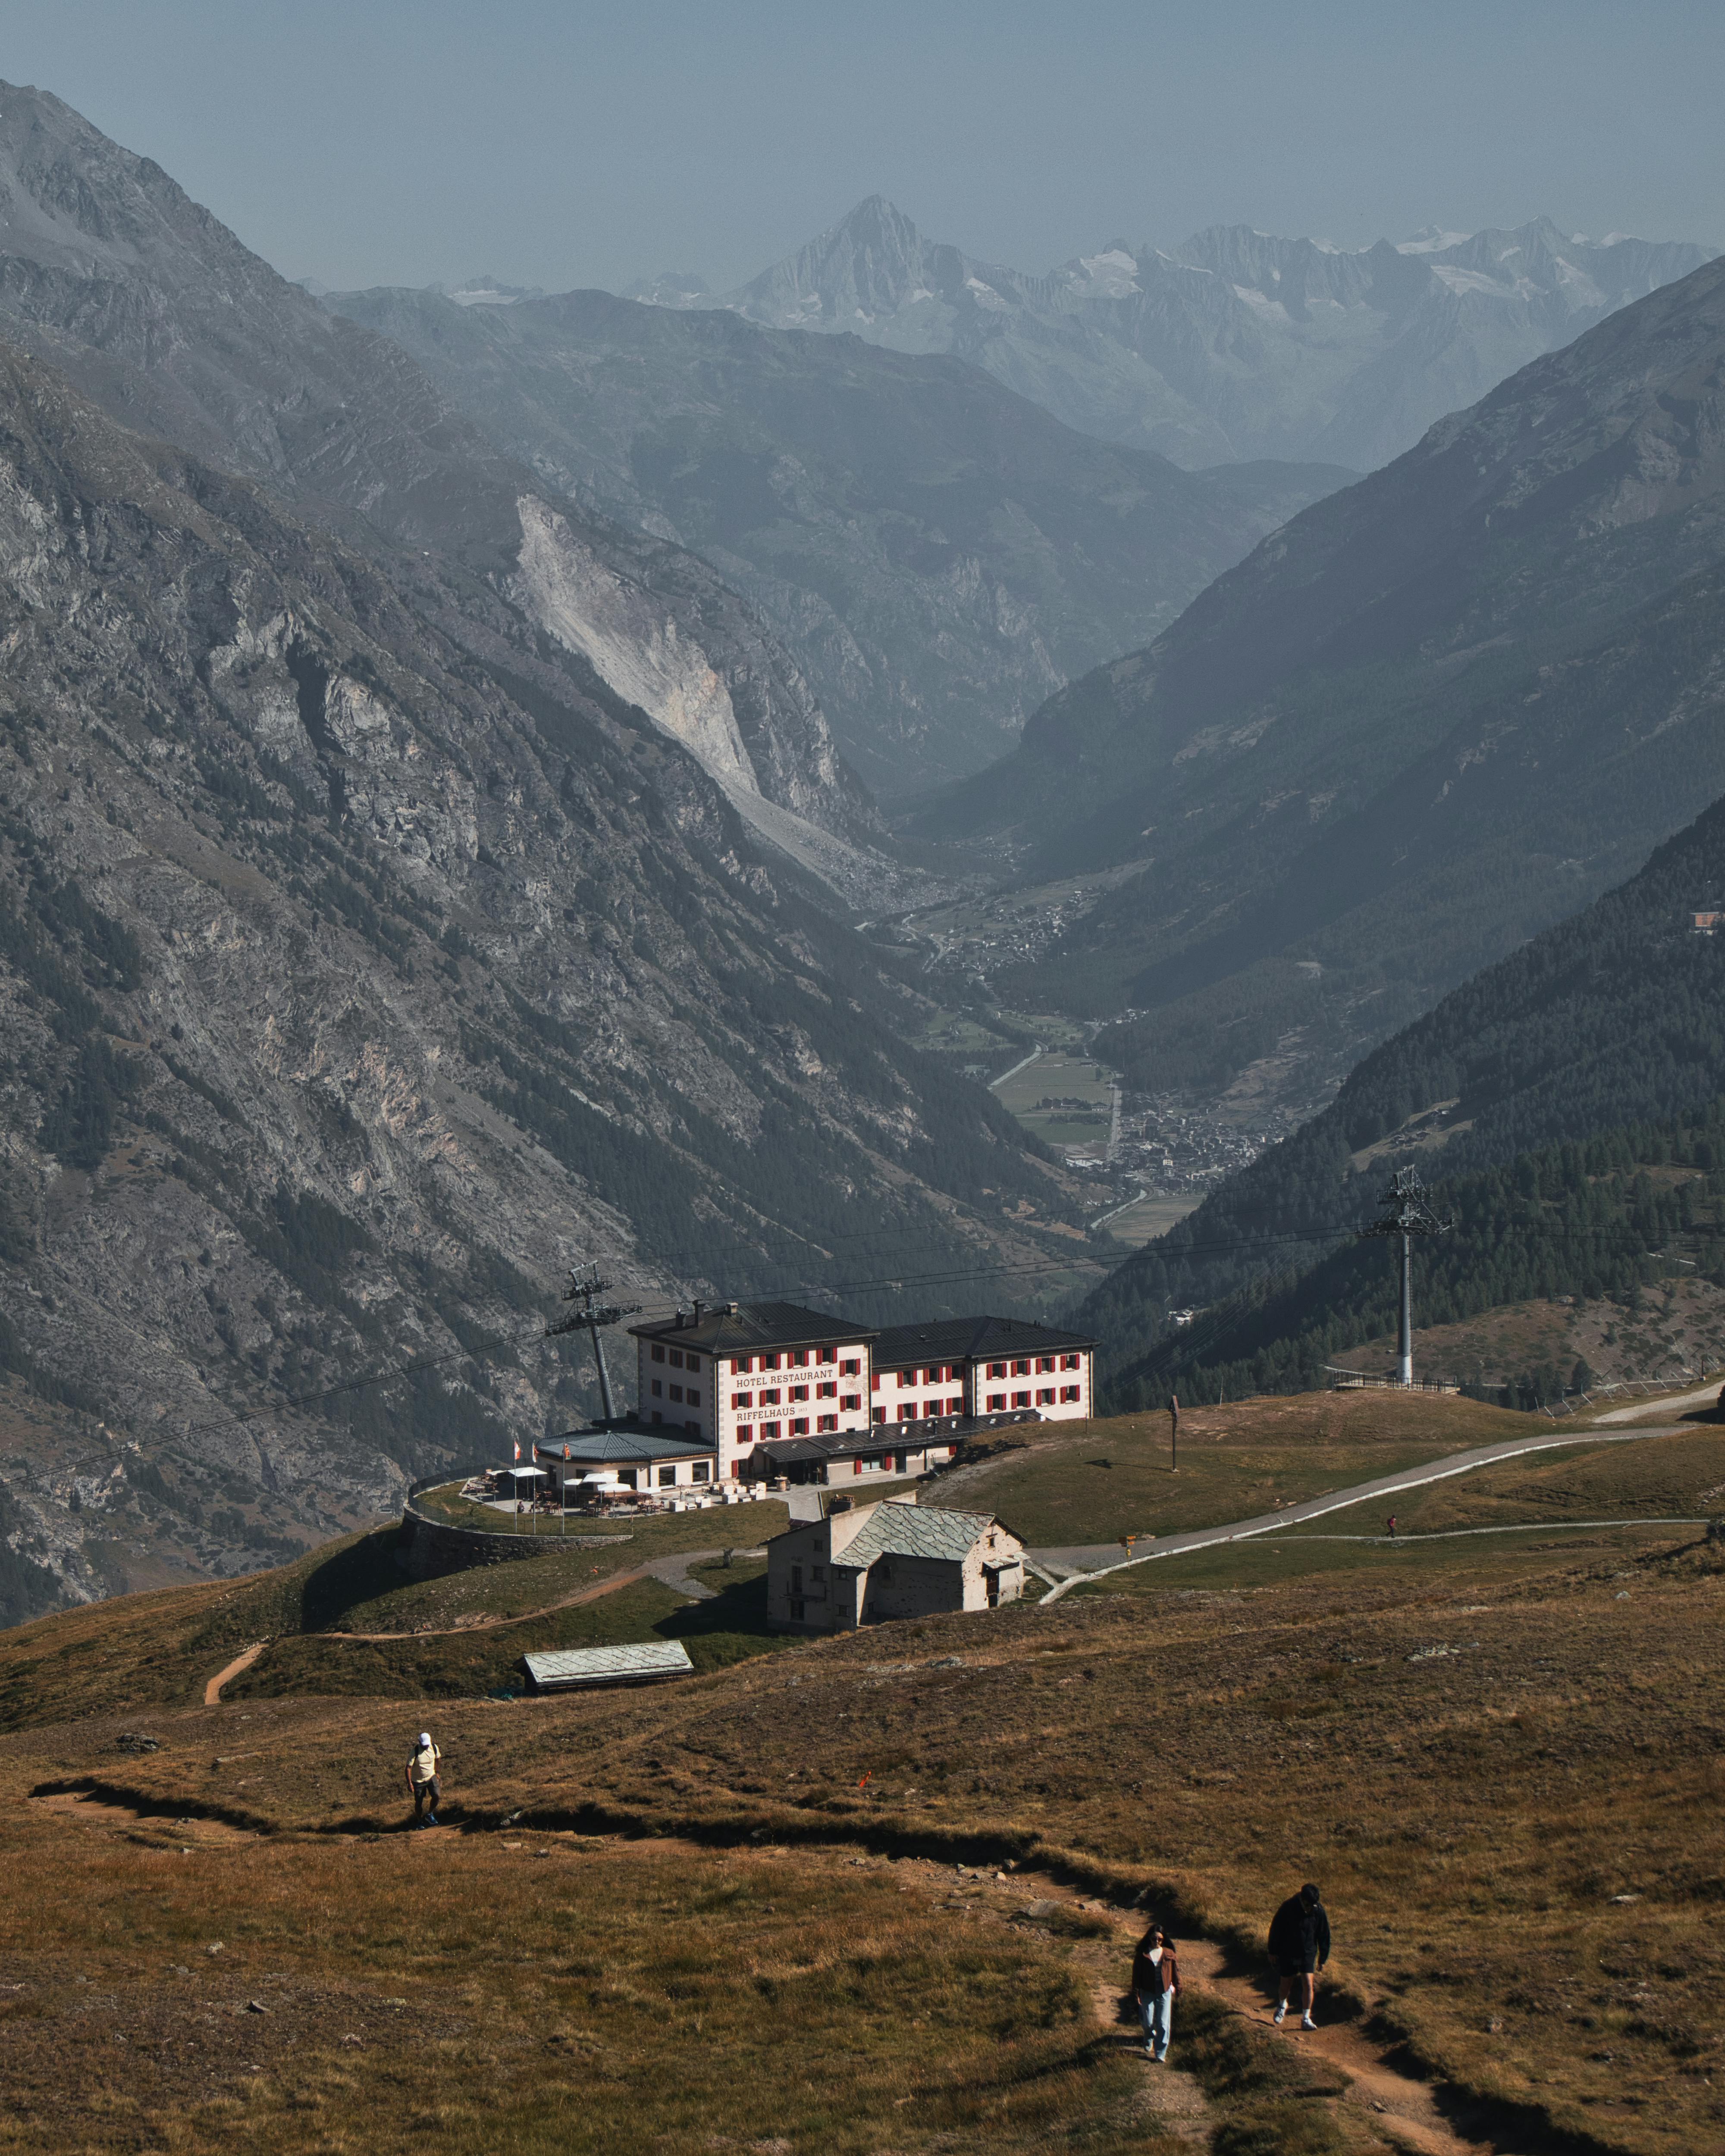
(1156, 2010)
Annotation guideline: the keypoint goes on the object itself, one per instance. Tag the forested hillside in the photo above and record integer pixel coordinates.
(1606, 1216)
(1613, 1018)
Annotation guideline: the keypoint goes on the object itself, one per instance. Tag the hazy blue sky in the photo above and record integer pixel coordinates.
(374, 141)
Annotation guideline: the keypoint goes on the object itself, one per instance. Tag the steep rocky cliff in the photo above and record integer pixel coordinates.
(157, 312)
(939, 553)
(354, 981)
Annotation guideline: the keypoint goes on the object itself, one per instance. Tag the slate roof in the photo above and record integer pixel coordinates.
(914, 1531)
(971, 1340)
(641, 1663)
(744, 1328)
(890, 1436)
(622, 1448)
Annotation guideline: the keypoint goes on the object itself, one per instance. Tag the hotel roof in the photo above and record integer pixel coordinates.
(744, 1328)
(623, 1448)
(971, 1340)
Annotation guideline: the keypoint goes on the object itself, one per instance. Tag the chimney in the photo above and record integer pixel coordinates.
(696, 1320)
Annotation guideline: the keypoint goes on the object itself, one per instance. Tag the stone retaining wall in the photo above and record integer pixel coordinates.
(431, 1547)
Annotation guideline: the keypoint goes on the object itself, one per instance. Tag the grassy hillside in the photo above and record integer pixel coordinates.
(1486, 1751)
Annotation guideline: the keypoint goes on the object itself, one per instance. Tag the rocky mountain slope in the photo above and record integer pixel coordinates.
(1430, 716)
(160, 315)
(940, 554)
(1613, 1018)
(1237, 344)
(354, 984)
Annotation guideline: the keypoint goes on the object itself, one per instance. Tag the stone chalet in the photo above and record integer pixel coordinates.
(879, 1562)
(770, 1388)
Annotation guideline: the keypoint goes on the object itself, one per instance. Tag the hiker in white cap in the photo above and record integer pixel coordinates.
(423, 1785)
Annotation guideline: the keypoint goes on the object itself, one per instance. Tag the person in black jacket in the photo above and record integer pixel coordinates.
(1156, 1985)
(1299, 1946)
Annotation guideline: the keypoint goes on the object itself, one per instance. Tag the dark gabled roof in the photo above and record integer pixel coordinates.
(971, 1340)
(744, 1328)
(888, 1436)
(623, 1447)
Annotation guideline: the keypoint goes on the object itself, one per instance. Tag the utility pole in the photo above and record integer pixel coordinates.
(589, 1314)
(1406, 1214)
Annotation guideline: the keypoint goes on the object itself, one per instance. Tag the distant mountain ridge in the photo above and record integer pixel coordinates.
(1237, 344)
(938, 553)
(1429, 716)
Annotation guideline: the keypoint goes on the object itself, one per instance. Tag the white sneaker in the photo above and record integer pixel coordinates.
(1281, 2014)
(1306, 2021)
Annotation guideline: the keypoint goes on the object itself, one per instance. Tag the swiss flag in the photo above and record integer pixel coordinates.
(518, 1449)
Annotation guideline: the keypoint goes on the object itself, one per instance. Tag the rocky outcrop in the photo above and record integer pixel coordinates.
(110, 272)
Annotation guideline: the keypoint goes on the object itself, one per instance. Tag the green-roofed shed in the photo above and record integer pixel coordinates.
(880, 1562)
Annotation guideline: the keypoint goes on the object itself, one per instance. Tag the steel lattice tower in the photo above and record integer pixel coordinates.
(1407, 1214)
(584, 1290)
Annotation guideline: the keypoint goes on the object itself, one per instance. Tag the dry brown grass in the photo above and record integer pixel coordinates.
(1075, 1484)
(1477, 1748)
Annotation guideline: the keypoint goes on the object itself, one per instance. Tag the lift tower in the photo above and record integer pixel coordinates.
(1407, 1214)
(589, 1314)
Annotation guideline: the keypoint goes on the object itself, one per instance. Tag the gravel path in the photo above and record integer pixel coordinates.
(1097, 1560)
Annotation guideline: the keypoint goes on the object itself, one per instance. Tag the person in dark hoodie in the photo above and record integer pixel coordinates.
(1299, 1946)
(1156, 1985)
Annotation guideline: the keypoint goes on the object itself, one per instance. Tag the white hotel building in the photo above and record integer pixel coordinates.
(772, 1388)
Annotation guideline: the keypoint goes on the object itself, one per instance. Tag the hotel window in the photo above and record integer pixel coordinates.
(996, 1401)
(879, 1416)
(693, 1396)
(745, 1435)
(770, 1398)
(874, 1382)
(1044, 1362)
(996, 1369)
(799, 1392)
(659, 1354)
(826, 1391)
(1021, 1369)
(695, 1364)
(676, 1392)
(851, 1367)
(1021, 1399)
(1069, 1392)
(698, 1472)
(769, 1430)
(625, 1478)
(667, 1478)
(955, 1407)
(1069, 1361)
(796, 1579)
(676, 1358)
(825, 1354)
(800, 1358)
(907, 1377)
(827, 1422)
(742, 1400)
(816, 1573)
(658, 1388)
(907, 1410)
(1044, 1396)
(799, 1426)
(769, 1362)
(850, 1402)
